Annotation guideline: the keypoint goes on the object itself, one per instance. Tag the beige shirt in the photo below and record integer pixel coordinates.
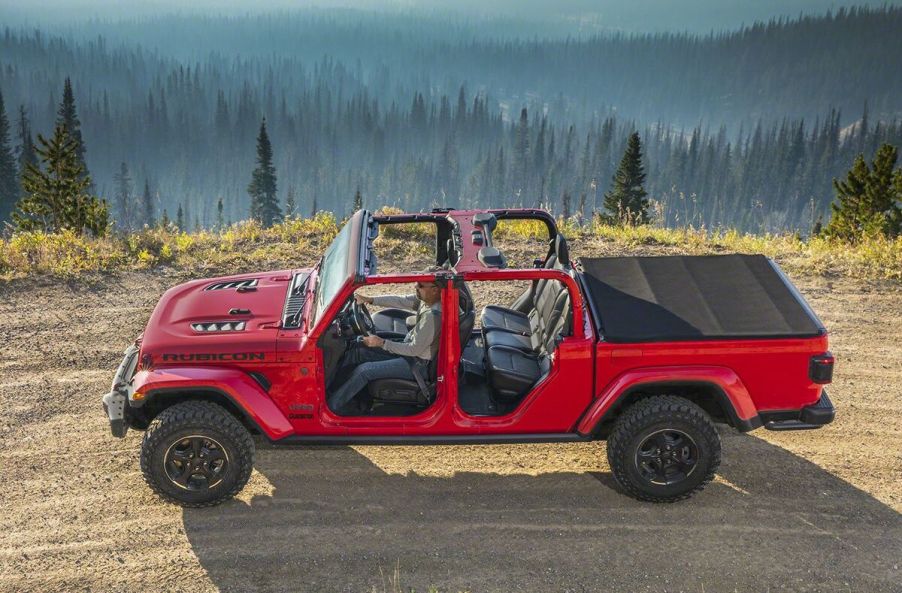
(422, 340)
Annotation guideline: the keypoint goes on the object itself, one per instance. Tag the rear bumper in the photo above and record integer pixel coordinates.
(115, 403)
(814, 416)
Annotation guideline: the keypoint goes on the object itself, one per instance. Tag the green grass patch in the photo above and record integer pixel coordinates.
(247, 246)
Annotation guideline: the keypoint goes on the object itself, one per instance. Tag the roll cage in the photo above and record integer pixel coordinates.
(461, 239)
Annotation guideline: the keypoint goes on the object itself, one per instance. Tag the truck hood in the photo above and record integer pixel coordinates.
(240, 313)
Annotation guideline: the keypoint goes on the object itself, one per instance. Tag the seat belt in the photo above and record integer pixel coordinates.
(416, 369)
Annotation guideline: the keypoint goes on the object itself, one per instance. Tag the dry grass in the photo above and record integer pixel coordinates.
(246, 246)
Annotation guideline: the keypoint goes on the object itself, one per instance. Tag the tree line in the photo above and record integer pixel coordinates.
(772, 177)
(55, 189)
(162, 137)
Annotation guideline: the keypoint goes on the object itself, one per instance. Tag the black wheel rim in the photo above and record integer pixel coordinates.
(666, 457)
(196, 463)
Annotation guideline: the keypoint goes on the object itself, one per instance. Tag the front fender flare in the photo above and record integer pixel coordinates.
(743, 410)
(235, 385)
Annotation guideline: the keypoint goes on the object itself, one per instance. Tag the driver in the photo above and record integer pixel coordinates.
(385, 359)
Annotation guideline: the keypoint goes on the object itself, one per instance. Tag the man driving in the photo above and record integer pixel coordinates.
(385, 359)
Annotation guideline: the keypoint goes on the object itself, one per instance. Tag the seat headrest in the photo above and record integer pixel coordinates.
(561, 250)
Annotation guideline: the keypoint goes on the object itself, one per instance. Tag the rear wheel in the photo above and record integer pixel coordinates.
(196, 454)
(663, 449)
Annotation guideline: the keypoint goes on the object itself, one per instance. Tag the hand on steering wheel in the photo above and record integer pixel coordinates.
(361, 320)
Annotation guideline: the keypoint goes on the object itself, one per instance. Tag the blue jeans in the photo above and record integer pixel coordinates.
(369, 364)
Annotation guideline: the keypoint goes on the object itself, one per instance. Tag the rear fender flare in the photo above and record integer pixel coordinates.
(237, 386)
(732, 393)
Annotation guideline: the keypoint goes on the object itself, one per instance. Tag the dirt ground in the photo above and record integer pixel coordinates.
(797, 511)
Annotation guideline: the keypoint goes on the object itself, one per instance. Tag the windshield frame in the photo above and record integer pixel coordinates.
(350, 247)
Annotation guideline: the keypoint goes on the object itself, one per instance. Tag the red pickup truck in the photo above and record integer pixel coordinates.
(648, 353)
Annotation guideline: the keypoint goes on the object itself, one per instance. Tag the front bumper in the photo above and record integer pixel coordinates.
(115, 403)
(816, 415)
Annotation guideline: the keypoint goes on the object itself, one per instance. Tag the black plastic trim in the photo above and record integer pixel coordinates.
(814, 416)
(486, 439)
(740, 424)
(162, 391)
(261, 380)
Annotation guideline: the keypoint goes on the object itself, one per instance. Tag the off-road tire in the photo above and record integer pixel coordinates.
(207, 420)
(656, 414)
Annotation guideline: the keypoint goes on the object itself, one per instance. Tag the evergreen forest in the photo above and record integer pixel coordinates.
(745, 128)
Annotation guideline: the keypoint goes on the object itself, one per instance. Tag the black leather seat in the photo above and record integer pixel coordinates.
(513, 372)
(392, 323)
(550, 309)
(513, 368)
(521, 319)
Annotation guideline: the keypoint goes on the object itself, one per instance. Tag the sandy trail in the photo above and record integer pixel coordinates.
(802, 511)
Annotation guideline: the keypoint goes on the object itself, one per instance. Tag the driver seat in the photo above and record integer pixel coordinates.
(406, 391)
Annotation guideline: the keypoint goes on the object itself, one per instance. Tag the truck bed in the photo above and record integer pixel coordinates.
(674, 298)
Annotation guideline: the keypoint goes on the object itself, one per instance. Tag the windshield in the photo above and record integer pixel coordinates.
(333, 270)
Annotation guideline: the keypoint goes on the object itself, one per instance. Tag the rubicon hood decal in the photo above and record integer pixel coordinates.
(207, 357)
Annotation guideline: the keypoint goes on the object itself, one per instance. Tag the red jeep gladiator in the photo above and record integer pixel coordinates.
(645, 352)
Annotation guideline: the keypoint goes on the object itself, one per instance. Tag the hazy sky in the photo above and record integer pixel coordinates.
(630, 15)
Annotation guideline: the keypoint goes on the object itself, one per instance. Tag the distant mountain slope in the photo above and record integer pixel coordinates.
(417, 111)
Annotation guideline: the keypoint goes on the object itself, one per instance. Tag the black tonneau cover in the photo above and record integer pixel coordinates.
(664, 298)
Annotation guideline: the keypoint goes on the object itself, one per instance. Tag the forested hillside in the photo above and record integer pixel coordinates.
(743, 129)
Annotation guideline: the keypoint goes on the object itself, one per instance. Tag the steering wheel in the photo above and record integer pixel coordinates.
(361, 320)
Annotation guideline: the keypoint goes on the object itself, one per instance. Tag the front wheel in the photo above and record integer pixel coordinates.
(663, 449)
(196, 454)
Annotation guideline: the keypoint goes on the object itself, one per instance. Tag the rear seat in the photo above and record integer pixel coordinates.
(548, 310)
(512, 369)
(519, 345)
(512, 320)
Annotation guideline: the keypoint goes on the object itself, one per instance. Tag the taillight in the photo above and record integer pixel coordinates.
(820, 369)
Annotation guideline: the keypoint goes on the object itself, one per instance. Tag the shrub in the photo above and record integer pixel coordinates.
(300, 241)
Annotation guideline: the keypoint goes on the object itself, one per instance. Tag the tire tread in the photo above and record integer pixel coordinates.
(640, 415)
(193, 413)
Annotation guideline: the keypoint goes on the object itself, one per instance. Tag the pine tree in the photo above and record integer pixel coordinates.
(627, 201)
(180, 218)
(125, 210)
(521, 156)
(58, 197)
(9, 182)
(358, 201)
(25, 149)
(262, 188)
(147, 205)
(221, 120)
(868, 201)
(291, 207)
(68, 118)
(220, 220)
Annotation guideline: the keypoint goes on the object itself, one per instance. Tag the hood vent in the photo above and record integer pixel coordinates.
(219, 326)
(239, 285)
(294, 304)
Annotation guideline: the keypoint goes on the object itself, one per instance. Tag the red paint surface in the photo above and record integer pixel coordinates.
(586, 379)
